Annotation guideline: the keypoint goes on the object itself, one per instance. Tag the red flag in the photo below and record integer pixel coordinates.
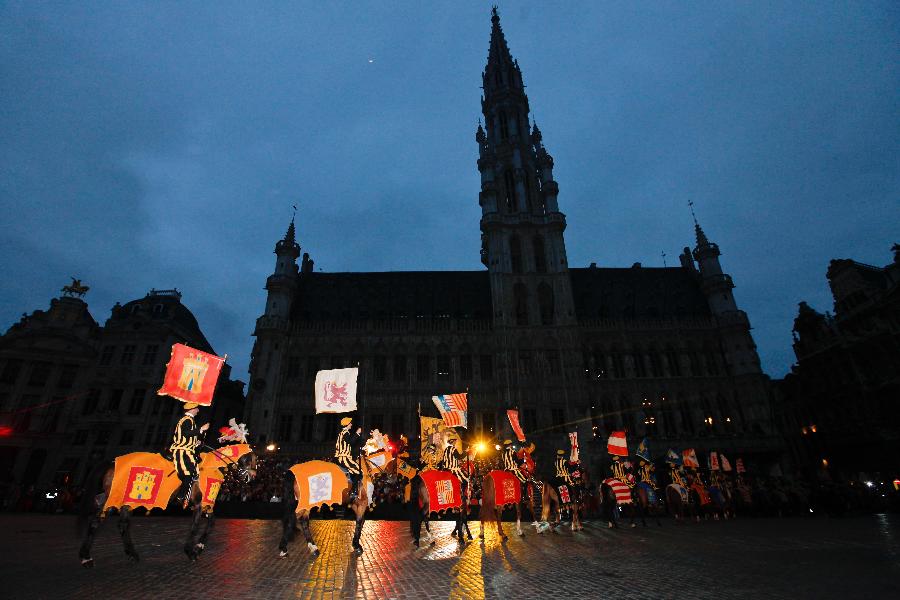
(617, 444)
(573, 441)
(514, 421)
(689, 458)
(191, 375)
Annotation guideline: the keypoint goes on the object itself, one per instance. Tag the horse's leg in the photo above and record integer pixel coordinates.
(190, 544)
(307, 533)
(360, 519)
(498, 517)
(466, 522)
(288, 521)
(125, 532)
(519, 519)
(210, 520)
(84, 553)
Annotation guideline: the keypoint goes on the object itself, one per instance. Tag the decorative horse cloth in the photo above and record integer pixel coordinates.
(682, 491)
(700, 489)
(564, 496)
(507, 489)
(620, 489)
(142, 479)
(211, 471)
(320, 483)
(443, 490)
(651, 493)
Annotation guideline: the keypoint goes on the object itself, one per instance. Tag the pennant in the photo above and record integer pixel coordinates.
(673, 458)
(713, 461)
(336, 390)
(573, 441)
(643, 450)
(453, 409)
(617, 444)
(513, 416)
(191, 375)
(690, 458)
(739, 466)
(726, 466)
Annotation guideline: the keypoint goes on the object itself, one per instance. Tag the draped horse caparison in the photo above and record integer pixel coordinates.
(147, 480)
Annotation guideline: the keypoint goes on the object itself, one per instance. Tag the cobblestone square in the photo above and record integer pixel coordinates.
(759, 558)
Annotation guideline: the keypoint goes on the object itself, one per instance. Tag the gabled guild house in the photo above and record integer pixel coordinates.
(661, 352)
(74, 392)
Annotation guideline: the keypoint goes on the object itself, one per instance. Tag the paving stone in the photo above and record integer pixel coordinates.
(771, 558)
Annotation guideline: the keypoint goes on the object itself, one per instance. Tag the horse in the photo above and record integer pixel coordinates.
(699, 496)
(148, 480)
(615, 492)
(316, 483)
(552, 501)
(489, 506)
(646, 502)
(420, 506)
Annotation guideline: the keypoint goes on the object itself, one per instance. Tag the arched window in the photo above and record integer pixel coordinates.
(520, 295)
(545, 301)
(510, 191)
(515, 254)
(504, 125)
(528, 206)
(540, 257)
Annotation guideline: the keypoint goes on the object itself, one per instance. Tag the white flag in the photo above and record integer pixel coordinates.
(573, 440)
(336, 390)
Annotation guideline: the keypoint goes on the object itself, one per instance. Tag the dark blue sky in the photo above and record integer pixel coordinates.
(161, 145)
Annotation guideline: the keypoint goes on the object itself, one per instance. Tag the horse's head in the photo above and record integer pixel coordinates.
(244, 469)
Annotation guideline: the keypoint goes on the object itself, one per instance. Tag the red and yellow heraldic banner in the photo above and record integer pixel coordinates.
(191, 375)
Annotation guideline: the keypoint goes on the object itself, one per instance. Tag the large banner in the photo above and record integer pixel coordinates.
(191, 375)
(432, 433)
(336, 390)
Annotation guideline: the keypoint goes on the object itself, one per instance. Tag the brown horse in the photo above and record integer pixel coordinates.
(490, 509)
(306, 481)
(420, 512)
(552, 504)
(147, 480)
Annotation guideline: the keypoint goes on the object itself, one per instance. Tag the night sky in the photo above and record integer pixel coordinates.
(156, 145)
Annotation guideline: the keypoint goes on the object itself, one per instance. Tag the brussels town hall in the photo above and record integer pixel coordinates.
(659, 352)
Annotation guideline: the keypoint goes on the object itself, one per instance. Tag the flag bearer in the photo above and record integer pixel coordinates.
(185, 442)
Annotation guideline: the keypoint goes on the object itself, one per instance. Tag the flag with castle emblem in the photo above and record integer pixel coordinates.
(336, 390)
(191, 375)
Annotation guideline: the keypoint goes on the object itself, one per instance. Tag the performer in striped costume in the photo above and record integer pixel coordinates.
(346, 453)
(509, 461)
(563, 477)
(185, 442)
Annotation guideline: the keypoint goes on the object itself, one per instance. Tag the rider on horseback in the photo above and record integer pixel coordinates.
(185, 442)
(509, 461)
(563, 477)
(346, 453)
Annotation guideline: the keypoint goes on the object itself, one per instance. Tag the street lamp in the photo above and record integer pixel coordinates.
(271, 447)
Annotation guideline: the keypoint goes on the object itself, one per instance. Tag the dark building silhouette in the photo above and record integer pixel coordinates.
(840, 404)
(73, 392)
(663, 352)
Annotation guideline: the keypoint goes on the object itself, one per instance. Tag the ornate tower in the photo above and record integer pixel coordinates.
(737, 343)
(522, 229)
(272, 337)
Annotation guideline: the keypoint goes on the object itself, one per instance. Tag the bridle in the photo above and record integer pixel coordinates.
(242, 471)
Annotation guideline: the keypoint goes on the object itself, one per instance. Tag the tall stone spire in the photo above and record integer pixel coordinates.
(521, 225)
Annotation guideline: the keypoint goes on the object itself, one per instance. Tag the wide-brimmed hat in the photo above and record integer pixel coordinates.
(507, 442)
(346, 421)
(190, 405)
(560, 452)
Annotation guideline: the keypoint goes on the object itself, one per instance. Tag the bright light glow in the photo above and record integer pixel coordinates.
(870, 484)
(270, 447)
(497, 446)
(480, 447)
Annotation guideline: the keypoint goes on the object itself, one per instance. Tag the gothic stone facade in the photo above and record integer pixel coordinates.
(663, 352)
(74, 393)
(839, 411)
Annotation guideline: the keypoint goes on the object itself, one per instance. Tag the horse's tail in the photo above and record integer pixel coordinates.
(92, 487)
